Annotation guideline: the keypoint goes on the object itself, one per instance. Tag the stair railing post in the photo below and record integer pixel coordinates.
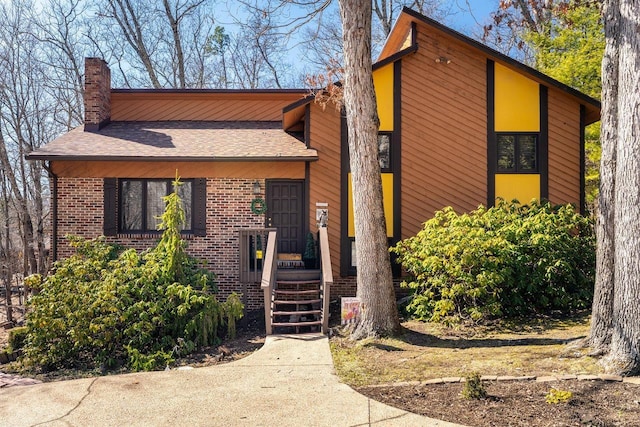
(326, 276)
(269, 271)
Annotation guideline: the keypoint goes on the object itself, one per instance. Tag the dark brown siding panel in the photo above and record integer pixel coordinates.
(564, 149)
(200, 207)
(444, 147)
(110, 211)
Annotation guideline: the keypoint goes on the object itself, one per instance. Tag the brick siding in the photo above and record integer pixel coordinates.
(81, 210)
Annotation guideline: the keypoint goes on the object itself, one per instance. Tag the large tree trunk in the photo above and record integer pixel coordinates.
(602, 312)
(624, 353)
(375, 284)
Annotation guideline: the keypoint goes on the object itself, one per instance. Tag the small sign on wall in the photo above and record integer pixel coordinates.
(350, 310)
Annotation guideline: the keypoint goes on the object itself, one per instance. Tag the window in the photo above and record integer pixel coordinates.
(141, 204)
(384, 151)
(517, 153)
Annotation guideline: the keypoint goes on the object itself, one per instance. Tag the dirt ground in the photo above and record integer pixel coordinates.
(520, 403)
(538, 347)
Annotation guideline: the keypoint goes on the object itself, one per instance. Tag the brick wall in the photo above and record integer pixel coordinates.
(81, 210)
(97, 94)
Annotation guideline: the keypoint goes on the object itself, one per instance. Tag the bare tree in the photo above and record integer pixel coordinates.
(165, 44)
(24, 126)
(257, 53)
(375, 284)
(63, 48)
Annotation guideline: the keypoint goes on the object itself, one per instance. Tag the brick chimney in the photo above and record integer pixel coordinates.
(97, 94)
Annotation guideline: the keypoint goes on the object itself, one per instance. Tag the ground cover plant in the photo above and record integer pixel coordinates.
(508, 260)
(107, 307)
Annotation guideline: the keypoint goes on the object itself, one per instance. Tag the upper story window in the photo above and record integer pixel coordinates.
(384, 151)
(141, 204)
(517, 153)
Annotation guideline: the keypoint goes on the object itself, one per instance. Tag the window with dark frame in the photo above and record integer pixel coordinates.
(141, 204)
(384, 159)
(517, 153)
(384, 151)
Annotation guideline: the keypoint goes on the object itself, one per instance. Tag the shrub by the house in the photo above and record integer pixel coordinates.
(106, 307)
(507, 260)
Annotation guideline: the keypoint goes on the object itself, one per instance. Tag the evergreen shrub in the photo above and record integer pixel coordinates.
(106, 306)
(508, 260)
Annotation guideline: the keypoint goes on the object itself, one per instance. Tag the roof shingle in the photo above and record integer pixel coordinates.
(178, 140)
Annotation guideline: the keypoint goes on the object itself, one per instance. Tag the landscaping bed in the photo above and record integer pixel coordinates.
(520, 403)
(394, 371)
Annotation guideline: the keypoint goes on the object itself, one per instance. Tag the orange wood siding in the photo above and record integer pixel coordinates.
(325, 174)
(152, 106)
(444, 131)
(247, 170)
(564, 148)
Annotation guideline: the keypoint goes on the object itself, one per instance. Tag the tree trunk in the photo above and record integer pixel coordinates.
(624, 353)
(602, 311)
(375, 284)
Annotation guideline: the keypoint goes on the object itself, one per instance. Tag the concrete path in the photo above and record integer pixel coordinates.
(288, 382)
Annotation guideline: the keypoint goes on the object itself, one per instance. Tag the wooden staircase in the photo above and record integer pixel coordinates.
(296, 304)
(296, 301)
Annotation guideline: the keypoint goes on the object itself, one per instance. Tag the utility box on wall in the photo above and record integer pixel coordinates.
(322, 214)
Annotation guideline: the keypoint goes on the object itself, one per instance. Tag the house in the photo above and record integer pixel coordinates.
(460, 125)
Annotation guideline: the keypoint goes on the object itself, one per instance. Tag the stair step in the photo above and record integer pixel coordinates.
(292, 292)
(289, 313)
(292, 302)
(298, 282)
(315, 322)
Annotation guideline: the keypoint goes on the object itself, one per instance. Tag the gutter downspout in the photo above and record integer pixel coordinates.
(54, 211)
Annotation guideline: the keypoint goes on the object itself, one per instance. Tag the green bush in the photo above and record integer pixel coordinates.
(17, 337)
(507, 260)
(106, 307)
(473, 387)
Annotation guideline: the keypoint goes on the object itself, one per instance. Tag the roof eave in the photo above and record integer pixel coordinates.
(50, 157)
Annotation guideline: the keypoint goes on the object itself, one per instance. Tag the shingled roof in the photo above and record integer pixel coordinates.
(179, 140)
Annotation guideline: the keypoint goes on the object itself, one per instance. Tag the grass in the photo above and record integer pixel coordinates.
(542, 346)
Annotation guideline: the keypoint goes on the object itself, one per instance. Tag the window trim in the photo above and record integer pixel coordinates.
(517, 169)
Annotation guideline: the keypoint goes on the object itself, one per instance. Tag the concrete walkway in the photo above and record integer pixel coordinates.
(288, 382)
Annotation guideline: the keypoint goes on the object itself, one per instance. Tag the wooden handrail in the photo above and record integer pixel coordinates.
(326, 279)
(252, 242)
(269, 271)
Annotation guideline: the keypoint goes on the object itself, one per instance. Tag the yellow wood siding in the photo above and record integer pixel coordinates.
(444, 149)
(564, 148)
(200, 106)
(517, 102)
(255, 170)
(387, 201)
(520, 187)
(383, 81)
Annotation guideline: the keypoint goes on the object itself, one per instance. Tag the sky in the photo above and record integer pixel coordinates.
(473, 15)
(468, 17)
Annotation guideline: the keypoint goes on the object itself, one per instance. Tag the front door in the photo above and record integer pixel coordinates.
(285, 211)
